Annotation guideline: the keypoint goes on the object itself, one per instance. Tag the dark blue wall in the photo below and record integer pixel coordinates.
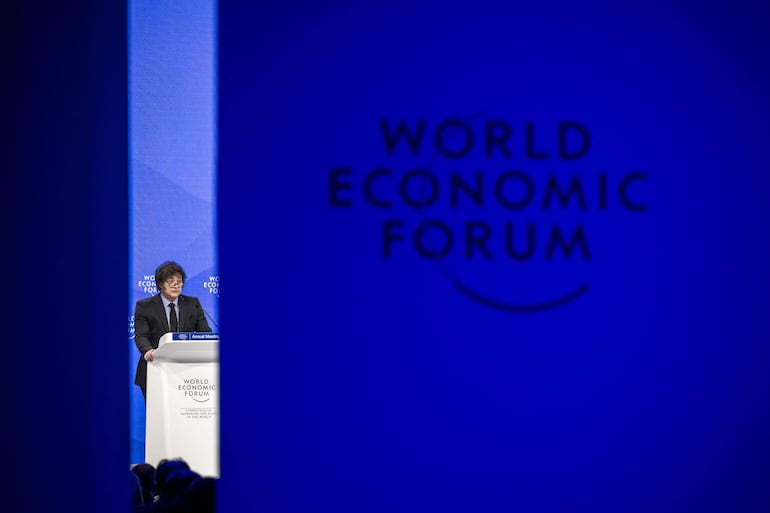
(65, 211)
(356, 382)
(628, 376)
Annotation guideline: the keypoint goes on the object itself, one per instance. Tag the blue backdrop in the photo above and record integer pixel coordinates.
(172, 122)
(356, 382)
(386, 352)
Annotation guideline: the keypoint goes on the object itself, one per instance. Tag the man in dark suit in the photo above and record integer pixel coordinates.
(169, 311)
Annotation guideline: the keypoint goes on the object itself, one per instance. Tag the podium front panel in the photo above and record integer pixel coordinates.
(183, 414)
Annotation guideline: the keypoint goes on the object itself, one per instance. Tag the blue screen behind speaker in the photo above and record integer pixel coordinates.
(172, 107)
(365, 370)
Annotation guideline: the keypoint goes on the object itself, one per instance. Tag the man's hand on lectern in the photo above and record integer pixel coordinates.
(148, 355)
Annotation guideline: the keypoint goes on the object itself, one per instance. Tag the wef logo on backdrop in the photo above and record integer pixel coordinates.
(456, 193)
(146, 284)
(212, 285)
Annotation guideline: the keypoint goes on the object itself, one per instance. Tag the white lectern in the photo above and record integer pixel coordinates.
(183, 401)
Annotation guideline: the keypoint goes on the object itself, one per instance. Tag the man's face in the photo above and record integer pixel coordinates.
(172, 287)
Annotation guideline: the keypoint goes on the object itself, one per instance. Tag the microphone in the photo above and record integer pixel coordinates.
(209, 316)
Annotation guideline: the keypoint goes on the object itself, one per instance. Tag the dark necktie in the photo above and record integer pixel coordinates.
(172, 318)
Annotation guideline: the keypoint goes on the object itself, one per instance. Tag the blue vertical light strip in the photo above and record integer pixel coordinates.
(172, 122)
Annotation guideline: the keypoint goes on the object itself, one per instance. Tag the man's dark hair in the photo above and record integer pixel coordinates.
(146, 474)
(199, 495)
(171, 495)
(166, 270)
(164, 470)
